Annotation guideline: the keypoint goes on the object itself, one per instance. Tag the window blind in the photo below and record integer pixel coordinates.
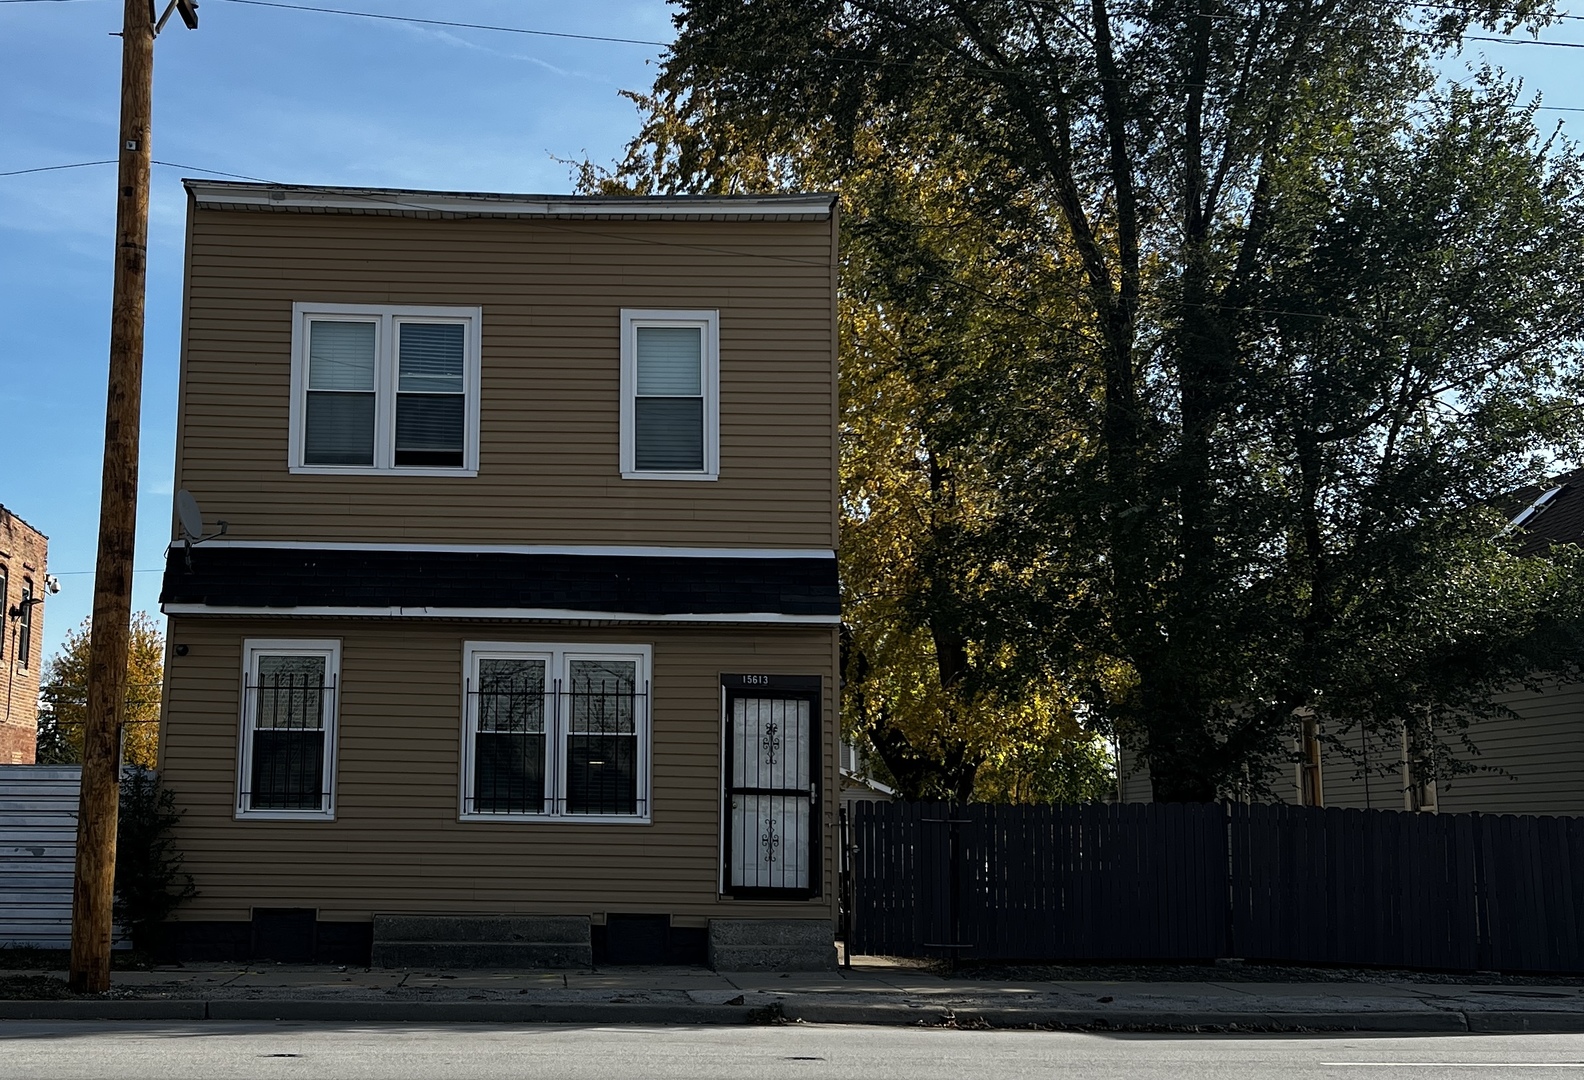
(668, 410)
(339, 427)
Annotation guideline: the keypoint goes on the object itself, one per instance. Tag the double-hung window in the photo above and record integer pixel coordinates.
(385, 389)
(286, 760)
(556, 732)
(670, 395)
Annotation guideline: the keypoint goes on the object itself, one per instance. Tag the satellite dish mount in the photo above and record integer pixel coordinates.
(192, 524)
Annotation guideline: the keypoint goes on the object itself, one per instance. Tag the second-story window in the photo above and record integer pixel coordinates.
(384, 389)
(670, 427)
(25, 630)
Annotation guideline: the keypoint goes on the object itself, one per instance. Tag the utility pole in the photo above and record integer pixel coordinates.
(93, 888)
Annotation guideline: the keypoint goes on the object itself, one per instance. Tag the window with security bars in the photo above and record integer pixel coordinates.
(556, 732)
(772, 791)
(670, 395)
(288, 729)
(380, 389)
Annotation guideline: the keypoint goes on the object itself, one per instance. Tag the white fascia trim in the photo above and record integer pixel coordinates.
(212, 194)
(549, 614)
(656, 552)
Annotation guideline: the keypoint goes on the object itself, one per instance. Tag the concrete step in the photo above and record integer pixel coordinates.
(483, 941)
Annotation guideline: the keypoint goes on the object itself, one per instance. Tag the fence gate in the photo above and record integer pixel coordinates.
(771, 781)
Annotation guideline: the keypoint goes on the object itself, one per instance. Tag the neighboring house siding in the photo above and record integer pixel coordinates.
(551, 293)
(38, 844)
(23, 551)
(1531, 763)
(397, 844)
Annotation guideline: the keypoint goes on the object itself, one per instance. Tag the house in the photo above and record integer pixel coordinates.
(24, 583)
(1529, 763)
(519, 643)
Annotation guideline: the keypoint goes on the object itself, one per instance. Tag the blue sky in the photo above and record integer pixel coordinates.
(300, 97)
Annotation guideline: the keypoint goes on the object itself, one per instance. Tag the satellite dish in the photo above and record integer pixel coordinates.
(191, 516)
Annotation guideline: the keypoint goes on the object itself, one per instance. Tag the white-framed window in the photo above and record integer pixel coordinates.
(555, 732)
(286, 751)
(670, 395)
(385, 389)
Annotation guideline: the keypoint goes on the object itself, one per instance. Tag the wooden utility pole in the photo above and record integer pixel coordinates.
(93, 889)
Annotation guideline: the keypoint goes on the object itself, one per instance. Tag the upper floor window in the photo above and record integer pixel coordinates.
(670, 395)
(25, 627)
(384, 389)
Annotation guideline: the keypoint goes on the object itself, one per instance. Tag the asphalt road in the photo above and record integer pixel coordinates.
(346, 1052)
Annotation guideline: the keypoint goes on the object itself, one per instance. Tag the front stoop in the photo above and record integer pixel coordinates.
(772, 945)
(496, 942)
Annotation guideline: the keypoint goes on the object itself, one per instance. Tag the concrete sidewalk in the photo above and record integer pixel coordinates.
(872, 992)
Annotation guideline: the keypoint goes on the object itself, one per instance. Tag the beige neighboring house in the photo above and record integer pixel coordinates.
(520, 643)
(24, 583)
(1528, 763)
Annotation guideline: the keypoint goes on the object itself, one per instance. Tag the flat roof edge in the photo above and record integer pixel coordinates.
(232, 195)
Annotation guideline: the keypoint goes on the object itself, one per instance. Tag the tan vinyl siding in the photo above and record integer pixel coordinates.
(1530, 763)
(551, 294)
(397, 844)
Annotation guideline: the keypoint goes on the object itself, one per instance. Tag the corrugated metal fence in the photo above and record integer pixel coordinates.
(38, 842)
(1192, 882)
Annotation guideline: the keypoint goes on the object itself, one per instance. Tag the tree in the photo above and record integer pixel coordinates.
(934, 295)
(65, 693)
(1316, 313)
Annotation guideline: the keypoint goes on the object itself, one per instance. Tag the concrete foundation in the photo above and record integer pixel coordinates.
(772, 945)
(487, 941)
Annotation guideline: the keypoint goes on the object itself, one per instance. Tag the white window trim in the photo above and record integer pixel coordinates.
(709, 321)
(385, 387)
(252, 649)
(558, 653)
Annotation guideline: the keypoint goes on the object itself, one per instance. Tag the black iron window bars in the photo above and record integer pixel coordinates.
(569, 749)
(288, 704)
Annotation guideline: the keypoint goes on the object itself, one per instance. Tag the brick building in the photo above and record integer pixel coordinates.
(23, 587)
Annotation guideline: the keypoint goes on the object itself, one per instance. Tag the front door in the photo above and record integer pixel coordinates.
(772, 793)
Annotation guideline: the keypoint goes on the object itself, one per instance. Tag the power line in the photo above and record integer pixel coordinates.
(51, 168)
(448, 22)
(112, 161)
(1499, 40)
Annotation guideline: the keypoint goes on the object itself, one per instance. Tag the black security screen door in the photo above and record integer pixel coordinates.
(772, 792)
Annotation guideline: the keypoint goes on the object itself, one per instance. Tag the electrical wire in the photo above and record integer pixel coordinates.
(449, 22)
(53, 168)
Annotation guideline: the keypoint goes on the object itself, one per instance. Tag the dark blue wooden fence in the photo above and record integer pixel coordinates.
(1193, 882)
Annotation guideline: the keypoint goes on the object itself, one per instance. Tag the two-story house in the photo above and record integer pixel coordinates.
(520, 645)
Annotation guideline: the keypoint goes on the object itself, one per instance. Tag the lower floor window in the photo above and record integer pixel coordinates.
(286, 765)
(556, 731)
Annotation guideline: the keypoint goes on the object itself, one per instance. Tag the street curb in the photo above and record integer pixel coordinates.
(479, 1012)
(793, 1010)
(1552, 1022)
(108, 1009)
(1374, 1020)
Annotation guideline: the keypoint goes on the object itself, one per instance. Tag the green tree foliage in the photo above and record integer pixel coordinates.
(1268, 320)
(64, 697)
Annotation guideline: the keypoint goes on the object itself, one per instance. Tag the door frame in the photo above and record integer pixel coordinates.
(808, 688)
